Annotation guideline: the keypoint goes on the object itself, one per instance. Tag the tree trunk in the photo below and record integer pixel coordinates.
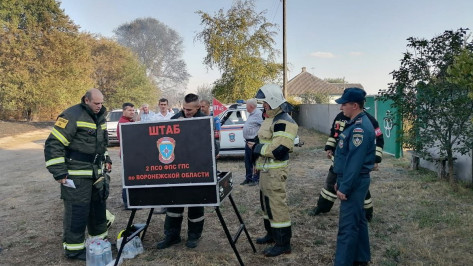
(451, 172)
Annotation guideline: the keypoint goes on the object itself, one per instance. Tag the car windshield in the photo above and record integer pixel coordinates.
(236, 117)
(114, 116)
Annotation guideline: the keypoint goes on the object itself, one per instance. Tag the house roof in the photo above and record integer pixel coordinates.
(305, 82)
(343, 86)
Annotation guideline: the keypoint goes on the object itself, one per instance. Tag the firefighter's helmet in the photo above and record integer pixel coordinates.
(272, 94)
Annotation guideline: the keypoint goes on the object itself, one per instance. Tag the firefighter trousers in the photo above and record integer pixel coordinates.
(273, 197)
(173, 222)
(328, 195)
(84, 206)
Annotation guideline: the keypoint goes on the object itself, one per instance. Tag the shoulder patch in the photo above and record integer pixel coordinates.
(61, 122)
(358, 130)
(279, 127)
(378, 132)
(357, 139)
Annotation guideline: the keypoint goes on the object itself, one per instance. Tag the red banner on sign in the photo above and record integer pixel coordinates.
(218, 107)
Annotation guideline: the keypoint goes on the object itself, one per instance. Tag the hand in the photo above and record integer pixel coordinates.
(108, 167)
(62, 181)
(329, 153)
(341, 196)
(250, 144)
(375, 167)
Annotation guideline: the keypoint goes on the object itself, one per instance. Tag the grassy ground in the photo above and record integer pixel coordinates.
(418, 220)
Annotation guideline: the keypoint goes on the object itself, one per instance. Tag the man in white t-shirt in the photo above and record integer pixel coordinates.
(163, 113)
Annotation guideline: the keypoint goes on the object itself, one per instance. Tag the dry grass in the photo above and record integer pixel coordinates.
(417, 221)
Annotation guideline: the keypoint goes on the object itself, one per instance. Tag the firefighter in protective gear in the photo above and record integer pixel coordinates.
(328, 195)
(76, 150)
(274, 143)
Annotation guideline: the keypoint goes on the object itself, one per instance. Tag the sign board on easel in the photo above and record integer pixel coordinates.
(169, 163)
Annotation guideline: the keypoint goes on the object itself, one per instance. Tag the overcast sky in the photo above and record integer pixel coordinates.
(361, 40)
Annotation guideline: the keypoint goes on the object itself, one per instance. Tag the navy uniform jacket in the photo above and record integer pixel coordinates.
(355, 152)
(338, 126)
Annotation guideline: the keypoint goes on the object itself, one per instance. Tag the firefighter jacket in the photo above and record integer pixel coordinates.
(355, 153)
(338, 126)
(275, 140)
(77, 145)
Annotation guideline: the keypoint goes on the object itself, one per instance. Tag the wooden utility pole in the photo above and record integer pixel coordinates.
(284, 53)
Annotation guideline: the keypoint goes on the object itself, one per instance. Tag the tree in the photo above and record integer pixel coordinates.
(438, 109)
(314, 97)
(160, 49)
(205, 92)
(119, 74)
(461, 71)
(43, 62)
(240, 44)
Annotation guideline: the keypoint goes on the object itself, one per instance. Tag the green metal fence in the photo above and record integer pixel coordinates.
(389, 122)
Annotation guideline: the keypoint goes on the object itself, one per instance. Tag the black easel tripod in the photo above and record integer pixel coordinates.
(131, 231)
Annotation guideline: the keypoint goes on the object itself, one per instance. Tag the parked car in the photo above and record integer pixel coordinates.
(112, 122)
(232, 120)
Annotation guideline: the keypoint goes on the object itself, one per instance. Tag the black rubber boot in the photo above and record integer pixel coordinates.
(282, 237)
(369, 214)
(78, 255)
(172, 231)
(323, 205)
(268, 238)
(168, 241)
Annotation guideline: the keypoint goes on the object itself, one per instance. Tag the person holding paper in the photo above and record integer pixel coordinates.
(75, 154)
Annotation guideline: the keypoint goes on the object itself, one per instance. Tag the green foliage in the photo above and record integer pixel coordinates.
(43, 62)
(205, 92)
(461, 71)
(240, 44)
(46, 65)
(424, 94)
(314, 97)
(120, 76)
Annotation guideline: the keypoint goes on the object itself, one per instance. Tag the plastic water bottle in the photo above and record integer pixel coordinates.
(92, 256)
(107, 252)
(98, 253)
(88, 254)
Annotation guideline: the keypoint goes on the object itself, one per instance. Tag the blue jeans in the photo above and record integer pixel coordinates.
(352, 240)
(249, 166)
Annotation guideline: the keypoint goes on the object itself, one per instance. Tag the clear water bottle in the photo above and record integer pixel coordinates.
(107, 252)
(98, 253)
(92, 257)
(88, 253)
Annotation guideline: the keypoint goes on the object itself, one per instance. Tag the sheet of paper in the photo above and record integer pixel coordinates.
(69, 183)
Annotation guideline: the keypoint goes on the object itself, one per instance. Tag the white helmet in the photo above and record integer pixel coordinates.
(272, 94)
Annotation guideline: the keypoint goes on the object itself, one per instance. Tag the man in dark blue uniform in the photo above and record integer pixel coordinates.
(354, 159)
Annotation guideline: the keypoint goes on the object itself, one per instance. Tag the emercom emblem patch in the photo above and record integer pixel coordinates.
(357, 139)
(61, 122)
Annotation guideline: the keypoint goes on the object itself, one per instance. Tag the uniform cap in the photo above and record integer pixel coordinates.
(352, 95)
